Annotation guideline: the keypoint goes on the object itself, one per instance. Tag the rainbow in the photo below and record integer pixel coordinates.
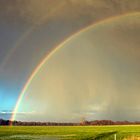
(53, 51)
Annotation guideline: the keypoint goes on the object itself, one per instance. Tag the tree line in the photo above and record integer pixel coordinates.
(84, 122)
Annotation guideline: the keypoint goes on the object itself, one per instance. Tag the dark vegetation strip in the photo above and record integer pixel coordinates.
(84, 122)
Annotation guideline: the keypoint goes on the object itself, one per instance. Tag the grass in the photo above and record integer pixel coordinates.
(132, 138)
(68, 132)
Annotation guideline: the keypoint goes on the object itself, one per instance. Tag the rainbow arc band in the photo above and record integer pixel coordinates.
(48, 56)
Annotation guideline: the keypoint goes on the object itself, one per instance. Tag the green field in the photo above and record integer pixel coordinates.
(68, 132)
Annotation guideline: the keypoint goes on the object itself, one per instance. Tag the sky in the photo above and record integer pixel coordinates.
(94, 75)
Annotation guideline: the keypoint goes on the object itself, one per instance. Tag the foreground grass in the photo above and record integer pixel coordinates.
(132, 138)
(68, 132)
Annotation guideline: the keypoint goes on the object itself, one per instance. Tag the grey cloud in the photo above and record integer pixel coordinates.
(34, 10)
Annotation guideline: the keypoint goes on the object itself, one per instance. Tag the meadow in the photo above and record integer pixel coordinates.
(70, 132)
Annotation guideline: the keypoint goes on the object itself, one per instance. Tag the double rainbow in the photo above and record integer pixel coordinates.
(55, 49)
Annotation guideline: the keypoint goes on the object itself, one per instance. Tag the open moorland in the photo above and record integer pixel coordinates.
(122, 132)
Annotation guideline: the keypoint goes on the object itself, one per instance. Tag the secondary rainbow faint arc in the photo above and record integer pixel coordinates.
(37, 69)
(22, 39)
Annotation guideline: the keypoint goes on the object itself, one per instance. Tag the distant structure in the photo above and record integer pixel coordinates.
(84, 121)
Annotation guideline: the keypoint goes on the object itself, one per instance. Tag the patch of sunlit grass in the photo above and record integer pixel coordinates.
(132, 138)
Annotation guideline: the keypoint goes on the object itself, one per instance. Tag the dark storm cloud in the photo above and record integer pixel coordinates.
(34, 10)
